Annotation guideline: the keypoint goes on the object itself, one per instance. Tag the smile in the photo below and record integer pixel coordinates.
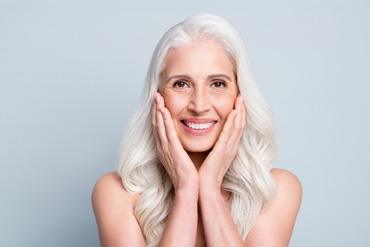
(199, 127)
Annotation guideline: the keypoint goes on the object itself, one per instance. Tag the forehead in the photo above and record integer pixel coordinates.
(199, 58)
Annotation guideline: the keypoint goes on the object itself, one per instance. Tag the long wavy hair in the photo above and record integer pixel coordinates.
(248, 179)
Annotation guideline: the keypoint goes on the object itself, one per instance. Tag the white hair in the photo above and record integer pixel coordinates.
(248, 179)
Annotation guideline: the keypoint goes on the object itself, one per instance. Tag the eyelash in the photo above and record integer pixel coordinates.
(181, 81)
(222, 82)
(177, 82)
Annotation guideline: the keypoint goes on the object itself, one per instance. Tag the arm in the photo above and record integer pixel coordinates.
(113, 209)
(273, 227)
(219, 228)
(113, 205)
(181, 226)
(275, 224)
(117, 224)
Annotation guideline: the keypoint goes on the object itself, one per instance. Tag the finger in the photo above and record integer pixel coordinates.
(227, 128)
(240, 113)
(244, 115)
(237, 122)
(161, 101)
(234, 138)
(242, 124)
(154, 108)
(161, 129)
(170, 128)
(154, 120)
(242, 118)
(234, 117)
(169, 125)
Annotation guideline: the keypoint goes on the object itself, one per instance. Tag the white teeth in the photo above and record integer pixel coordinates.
(199, 126)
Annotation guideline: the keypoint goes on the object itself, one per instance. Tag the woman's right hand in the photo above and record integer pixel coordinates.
(169, 149)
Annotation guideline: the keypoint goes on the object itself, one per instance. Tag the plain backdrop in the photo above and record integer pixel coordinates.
(71, 75)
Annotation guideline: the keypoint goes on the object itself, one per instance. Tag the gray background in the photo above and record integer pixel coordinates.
(71, 73)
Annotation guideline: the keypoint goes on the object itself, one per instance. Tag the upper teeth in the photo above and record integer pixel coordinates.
(200, 125)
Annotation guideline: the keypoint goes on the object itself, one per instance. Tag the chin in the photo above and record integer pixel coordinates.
(197, 146)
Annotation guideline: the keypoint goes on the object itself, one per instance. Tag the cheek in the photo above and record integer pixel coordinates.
(174, 104)
(224, 106)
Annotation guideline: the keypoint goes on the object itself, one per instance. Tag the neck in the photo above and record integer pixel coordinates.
(198, 158)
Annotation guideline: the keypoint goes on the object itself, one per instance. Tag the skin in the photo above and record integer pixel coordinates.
(196, 165)
(190, 89)
(198, 82)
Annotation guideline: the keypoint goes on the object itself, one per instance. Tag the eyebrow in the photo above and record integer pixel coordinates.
(208, 77)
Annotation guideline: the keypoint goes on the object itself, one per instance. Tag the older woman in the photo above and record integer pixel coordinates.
(196, 160)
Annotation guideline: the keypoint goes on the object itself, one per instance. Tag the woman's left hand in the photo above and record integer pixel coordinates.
(218, 161)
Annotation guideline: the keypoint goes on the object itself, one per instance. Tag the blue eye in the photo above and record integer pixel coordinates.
(219, 84)
(180, 83)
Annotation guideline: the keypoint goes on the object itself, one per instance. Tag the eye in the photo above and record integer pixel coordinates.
(219, 84)
(179, 83)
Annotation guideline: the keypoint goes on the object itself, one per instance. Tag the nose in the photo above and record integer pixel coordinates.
(199, 102)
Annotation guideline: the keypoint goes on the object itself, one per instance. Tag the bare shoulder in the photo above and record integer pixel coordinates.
(110, 187)
(275, 224)
(113, 208)
(287, 181)
(289, 193)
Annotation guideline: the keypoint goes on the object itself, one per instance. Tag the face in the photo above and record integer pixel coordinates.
(199, 89)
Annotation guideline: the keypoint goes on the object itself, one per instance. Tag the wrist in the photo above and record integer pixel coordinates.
(209, 183)
(209, 190)
(187, 195)
(188, 188)
(209, 196)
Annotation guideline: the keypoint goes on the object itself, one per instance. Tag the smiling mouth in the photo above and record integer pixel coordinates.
(198, 126)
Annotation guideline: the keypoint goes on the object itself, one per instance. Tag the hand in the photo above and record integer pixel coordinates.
(169, 149)
(218, 161)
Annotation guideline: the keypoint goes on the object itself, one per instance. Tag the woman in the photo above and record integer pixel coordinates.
(196, 161)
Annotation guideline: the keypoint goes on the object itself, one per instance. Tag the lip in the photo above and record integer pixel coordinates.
(197, 132)
(199, 120)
